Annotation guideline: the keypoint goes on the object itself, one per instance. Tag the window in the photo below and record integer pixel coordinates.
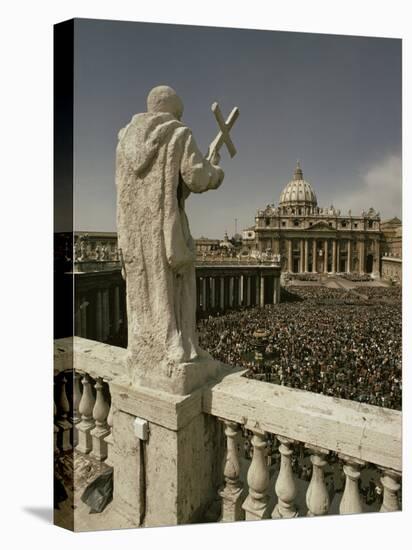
(310, 223)
(343, 224)
(330, 224)
(370, 224)
(283, 224)
(267, 220)
(296, 223)
(355, 225)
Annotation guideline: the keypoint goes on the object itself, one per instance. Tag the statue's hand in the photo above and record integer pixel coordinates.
(217, 179)
(214, 158)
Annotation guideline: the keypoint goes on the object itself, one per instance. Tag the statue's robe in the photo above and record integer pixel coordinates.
(158, 164)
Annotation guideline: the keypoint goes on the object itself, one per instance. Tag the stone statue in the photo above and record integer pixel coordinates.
(158, 165)
(104, 252)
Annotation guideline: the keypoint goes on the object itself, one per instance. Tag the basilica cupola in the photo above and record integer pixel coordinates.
(298, 192)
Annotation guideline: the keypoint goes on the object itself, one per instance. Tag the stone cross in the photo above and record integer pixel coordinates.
(223, 137)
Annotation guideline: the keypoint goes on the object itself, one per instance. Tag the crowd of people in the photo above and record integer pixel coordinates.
(335, 342)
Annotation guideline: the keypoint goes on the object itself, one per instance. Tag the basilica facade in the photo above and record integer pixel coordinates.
(311, 239)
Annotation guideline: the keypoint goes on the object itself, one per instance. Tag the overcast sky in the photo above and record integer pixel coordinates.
(333, 102)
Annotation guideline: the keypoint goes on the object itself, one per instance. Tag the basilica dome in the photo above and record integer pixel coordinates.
(298, 192)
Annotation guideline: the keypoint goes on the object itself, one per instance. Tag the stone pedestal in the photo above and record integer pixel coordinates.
(177, 379)
(172, 477)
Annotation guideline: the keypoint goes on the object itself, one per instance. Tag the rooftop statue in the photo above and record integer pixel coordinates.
(158, 165)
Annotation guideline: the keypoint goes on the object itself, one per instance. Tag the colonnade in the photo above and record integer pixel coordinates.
(100, 312)
(329, 255)
(230, 291)
(100, 298)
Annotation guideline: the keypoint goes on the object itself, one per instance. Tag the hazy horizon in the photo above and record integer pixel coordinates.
(333, 102)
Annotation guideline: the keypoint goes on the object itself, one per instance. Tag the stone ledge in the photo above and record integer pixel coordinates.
(370, 433)
(95, 358)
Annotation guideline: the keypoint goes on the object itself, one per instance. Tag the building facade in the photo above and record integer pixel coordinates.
(392, 250)
(311, 239)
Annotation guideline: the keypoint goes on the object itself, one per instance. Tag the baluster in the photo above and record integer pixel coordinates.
(109, 439)
(87, 423)
(100, 413)
(351, 502)
(63, 409)
(232, 491)
(390, 480)
(285, 484)
(77, 395)
(317, 495)
(256, 503)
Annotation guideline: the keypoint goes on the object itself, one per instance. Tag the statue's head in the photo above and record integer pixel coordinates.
(163, 99)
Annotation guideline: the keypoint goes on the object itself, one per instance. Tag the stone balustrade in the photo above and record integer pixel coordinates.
(342, 436)
(82, 404)
(263, 432)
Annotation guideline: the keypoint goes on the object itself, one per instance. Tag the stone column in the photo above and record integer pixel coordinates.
(207, 293)
(277, 279)
(212, 292)
(276, 289)
(198, 290)
(334, 256)
(290, 266)
(242, 291)
(105, 314)
(236, 291)
(361, 257)
(248, 290)
(99, 331)
(301, 256)
(231, 291)
(314, 254)
(257, 293)
(204, 306)
(83, 315)
(306, 254)
(262, 291)
(116, 308)
(325, 259)
(222, 293)
(376, 258)
(77, 318)
(338, 256)
(349, 257)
